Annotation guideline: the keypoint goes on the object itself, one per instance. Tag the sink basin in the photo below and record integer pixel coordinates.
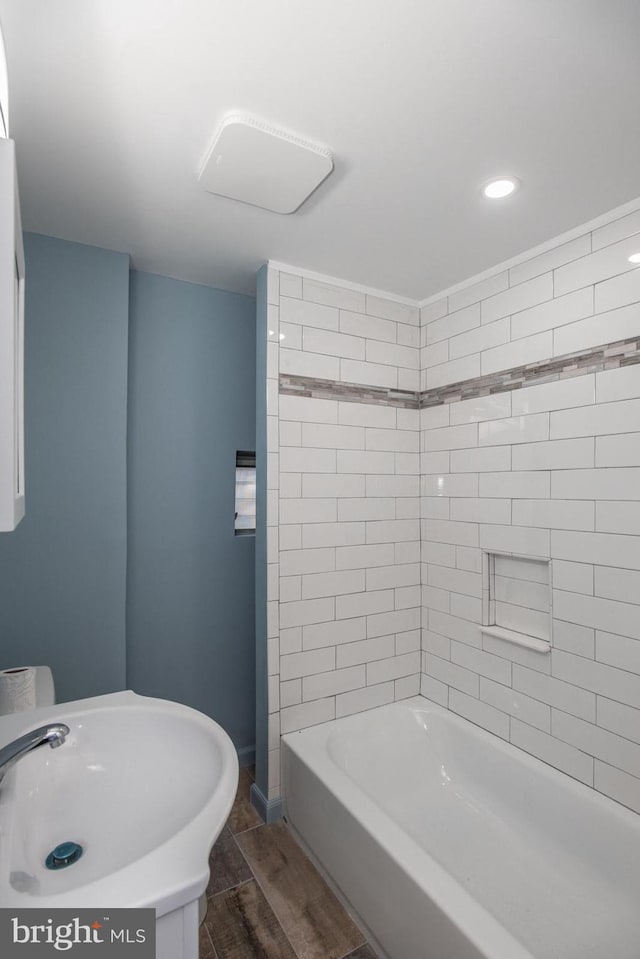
(143, 785)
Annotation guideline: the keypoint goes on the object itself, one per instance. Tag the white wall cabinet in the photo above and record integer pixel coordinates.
(11, 344)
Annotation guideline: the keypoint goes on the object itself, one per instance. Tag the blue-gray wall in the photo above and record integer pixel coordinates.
(190, 611)
(63, 571)
(160, 601)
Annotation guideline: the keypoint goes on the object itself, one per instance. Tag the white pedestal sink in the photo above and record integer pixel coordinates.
(143, 785)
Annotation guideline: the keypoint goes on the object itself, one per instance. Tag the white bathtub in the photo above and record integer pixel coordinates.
(450, 844)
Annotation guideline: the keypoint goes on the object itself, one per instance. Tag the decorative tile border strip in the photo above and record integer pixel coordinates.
(607, 357)
(611, 356)
(347, 392)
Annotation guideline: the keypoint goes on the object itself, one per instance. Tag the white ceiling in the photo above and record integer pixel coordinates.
(114, 104)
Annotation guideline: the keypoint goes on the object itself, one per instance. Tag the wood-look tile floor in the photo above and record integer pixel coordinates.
(266, 900)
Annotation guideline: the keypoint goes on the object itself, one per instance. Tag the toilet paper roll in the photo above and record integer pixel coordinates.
(17, 689)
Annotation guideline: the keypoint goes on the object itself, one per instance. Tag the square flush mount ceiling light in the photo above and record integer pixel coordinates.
(257, 164)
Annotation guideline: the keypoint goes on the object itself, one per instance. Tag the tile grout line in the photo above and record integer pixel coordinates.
(241, 832)
(236, 885)
(204, 926)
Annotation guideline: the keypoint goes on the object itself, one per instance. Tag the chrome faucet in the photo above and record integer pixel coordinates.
(53, 735)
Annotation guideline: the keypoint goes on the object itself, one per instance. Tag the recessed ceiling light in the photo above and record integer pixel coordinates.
(634, 258)
(500, 187)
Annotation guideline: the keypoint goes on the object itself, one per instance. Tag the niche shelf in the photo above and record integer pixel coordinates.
(517, 600)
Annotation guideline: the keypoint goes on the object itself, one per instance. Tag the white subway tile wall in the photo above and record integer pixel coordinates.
(551, 470)
(344, 523)
(377, 516)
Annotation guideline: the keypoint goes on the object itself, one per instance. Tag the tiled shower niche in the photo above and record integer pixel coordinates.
(517, 599)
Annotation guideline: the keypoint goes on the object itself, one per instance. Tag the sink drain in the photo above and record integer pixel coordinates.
(63, 855)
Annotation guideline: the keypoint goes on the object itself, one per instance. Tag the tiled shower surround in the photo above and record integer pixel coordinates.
(529, 434)
(344, 503)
